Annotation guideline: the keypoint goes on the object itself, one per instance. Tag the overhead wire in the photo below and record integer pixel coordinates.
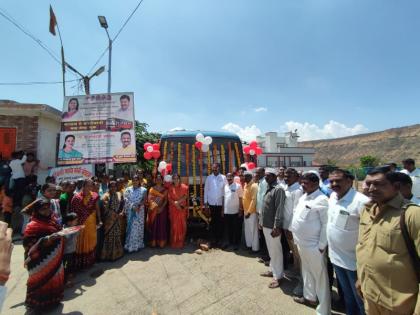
(9, 18)
(37, 82)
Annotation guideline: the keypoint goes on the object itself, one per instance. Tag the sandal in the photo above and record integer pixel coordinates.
(274, 284)
(302, 300)
(266, 274)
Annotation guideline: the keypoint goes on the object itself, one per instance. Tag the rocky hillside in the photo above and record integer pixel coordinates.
(389, 145)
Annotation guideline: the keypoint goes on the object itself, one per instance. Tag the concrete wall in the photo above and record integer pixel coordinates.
(26, 131)
(47, 141)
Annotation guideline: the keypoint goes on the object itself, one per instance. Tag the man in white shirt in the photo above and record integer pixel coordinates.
(411, 170)
(233, 210)
(309, 226)
(345, 207)
(280, 177)
(262, 189)
(18, 176)
(214, 190)
(406, 187)
(293, 193)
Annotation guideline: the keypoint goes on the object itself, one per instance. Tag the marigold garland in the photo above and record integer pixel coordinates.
(208, 163)
(201, 181)
(223, 158)
(194, 168)
(172, 152)
(215, 159)
(238, 159)
(230, 157)
(165, 150)
(179, 158)
(187, 163)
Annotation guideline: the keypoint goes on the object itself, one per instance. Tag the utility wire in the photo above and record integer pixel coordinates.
(36, 82)
(8, 17)
(116, 36)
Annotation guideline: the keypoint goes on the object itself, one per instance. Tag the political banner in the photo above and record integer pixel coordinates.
(97, 128)
(72, 173)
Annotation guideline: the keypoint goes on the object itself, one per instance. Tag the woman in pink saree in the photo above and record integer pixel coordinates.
(178, 211)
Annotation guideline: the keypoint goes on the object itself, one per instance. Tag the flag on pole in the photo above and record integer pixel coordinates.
(53, 21)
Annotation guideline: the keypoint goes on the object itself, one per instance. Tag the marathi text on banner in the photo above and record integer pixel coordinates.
(71, 173)
(97, 129)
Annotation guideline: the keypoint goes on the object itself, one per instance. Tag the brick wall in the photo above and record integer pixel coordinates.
(26, 133)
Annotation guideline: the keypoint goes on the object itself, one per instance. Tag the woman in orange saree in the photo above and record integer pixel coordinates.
(178, 212)
(86, 205)
(157, 216)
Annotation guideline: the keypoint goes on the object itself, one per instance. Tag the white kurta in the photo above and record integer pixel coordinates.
(251, 232)
(276, 253)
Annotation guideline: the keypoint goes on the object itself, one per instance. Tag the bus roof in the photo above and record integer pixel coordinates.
(191, 133)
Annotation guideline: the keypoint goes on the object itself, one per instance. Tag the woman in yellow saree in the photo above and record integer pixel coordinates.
(157, 216)
(178, 211)
(86, 205)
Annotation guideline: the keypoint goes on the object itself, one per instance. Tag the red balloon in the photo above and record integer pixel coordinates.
(156, 146)
(251, 165)
(156, 154)
(147, 144)
(198, 145)
(169, 168)
(147, 155)
(253, 144)
(258, 151)
(246, 149)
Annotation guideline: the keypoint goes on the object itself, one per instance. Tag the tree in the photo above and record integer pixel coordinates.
(369, 161)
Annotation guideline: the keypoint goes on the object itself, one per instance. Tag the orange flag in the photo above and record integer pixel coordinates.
(53, 21)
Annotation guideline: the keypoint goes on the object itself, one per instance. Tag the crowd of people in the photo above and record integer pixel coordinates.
(308, 226)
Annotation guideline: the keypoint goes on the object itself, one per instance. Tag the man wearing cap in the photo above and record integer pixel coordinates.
(233, 210)
(309, 226)
(250, 214)
(345, 206)
(213, 197)
(388, 277)
(293, 193)
(271, 222)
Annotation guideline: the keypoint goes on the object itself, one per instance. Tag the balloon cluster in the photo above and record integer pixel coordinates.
(253, 148)
(250, 166)
(165, 168)
(203, 143)
(151, 150)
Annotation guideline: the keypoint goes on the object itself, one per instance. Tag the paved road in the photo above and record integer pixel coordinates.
(166, 282)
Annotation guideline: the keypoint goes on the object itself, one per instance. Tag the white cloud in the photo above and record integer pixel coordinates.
(177, 129)
(332, 129)
(247, 133)
(260, 109)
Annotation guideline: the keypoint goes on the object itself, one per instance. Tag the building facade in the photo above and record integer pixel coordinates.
(31, 128)
(284, 151)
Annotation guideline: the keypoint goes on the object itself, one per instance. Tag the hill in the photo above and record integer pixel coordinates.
(393, 144)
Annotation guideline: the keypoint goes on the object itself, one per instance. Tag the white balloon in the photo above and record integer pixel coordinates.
(252, 152)
(167, 178)
(208, 140)
(205, 147)
(162, 165)
(199, 137)
(149, 148)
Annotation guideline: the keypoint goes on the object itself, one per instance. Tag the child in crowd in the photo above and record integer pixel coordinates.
(6, 203)
(69, 220)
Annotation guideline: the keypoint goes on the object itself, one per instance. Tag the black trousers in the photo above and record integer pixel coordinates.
(18, 191)
(216, 224)
(232, 228)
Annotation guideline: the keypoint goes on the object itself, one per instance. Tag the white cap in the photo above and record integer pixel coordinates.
(270, 170)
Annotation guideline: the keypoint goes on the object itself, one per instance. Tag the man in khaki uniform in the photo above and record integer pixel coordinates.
(387, 278)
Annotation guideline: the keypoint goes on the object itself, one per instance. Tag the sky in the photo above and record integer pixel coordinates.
(327, 68)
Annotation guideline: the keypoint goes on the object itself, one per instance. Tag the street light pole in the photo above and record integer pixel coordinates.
(104, 24)
(86, 79)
